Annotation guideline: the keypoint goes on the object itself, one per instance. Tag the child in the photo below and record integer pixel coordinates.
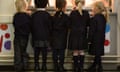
(97, 35)
(60, 28)
(79, 20)
(41, 24)
(21, 22)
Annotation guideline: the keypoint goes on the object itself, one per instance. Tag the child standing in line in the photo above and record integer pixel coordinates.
(97, 35)
(41, 25)
(21, 22)
(79, 20)
(59, 35)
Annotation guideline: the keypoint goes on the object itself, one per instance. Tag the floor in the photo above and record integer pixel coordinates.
(11, 69)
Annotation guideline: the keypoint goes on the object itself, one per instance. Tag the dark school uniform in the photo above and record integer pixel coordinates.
(78, 26)
(59, 39)
(21, 23)
(41, 22)
(41, 28)
(60, 30)
(97, 34)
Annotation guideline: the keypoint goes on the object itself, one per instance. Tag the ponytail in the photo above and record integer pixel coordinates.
(102, 9)
(80, 8)
(106, 15)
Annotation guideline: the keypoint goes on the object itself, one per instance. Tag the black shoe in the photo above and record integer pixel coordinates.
(81, 70)
(61, 69)
(92, 69)
(99, 69)
(19, 69)
(56, 68)
(37, 68)
(44, 68)
(76, 70)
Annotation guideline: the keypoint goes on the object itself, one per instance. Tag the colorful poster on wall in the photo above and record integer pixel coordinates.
(107, 38)
(6, 39)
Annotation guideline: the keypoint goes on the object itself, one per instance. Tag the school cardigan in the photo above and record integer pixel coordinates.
(21, 23)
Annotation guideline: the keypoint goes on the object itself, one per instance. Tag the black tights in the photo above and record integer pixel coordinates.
(58, 54)
(97, 61)
(37, 53)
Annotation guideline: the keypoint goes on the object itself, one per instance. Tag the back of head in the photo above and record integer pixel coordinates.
(100, 6)
(79, 1)
(41, 3)
(20, 5)
(60, 4)
(79, 5)
(101, 9)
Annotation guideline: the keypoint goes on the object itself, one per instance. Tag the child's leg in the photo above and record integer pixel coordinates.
(25, 55)
(61, 59)
(96, 62)
(44, 58)
(36, 58)
(75, 60)
(17, 56)
(99, 63)
(81, 60)
(55, 59)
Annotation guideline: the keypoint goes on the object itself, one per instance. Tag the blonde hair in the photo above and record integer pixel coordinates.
(20, 5)
(102, 9)
(79, 4)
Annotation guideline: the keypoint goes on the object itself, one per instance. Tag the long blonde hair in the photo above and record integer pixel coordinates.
(79, 4)
(20, 5)
(102, 9)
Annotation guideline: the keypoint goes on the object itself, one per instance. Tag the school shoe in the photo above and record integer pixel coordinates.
(37, 67)
(99, 69)
(76, 70)
(81, 70)
(61, 69)
(56, 68)
(92, 69)
(44, 68)
(19, 68)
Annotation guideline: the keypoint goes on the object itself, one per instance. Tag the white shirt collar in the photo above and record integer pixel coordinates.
(40, 9)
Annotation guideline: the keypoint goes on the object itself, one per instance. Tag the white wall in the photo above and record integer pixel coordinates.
(7, 9)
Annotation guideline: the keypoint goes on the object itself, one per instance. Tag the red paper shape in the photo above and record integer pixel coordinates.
(1, 41)
(107, 43)
(3, 26)
(7, 35)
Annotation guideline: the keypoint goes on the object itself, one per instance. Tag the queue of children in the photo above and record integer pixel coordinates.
(53, 31)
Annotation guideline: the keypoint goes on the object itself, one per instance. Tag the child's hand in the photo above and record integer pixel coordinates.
(89, 43)
(29, 12)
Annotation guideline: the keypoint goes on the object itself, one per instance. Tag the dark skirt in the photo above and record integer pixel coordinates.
(59, 41)
(76, 41)
(96, 50)
(40, 43)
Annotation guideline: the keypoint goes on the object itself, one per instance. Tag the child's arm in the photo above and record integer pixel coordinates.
(92, 29)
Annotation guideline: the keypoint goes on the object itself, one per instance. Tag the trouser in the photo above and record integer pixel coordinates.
(20, 54)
